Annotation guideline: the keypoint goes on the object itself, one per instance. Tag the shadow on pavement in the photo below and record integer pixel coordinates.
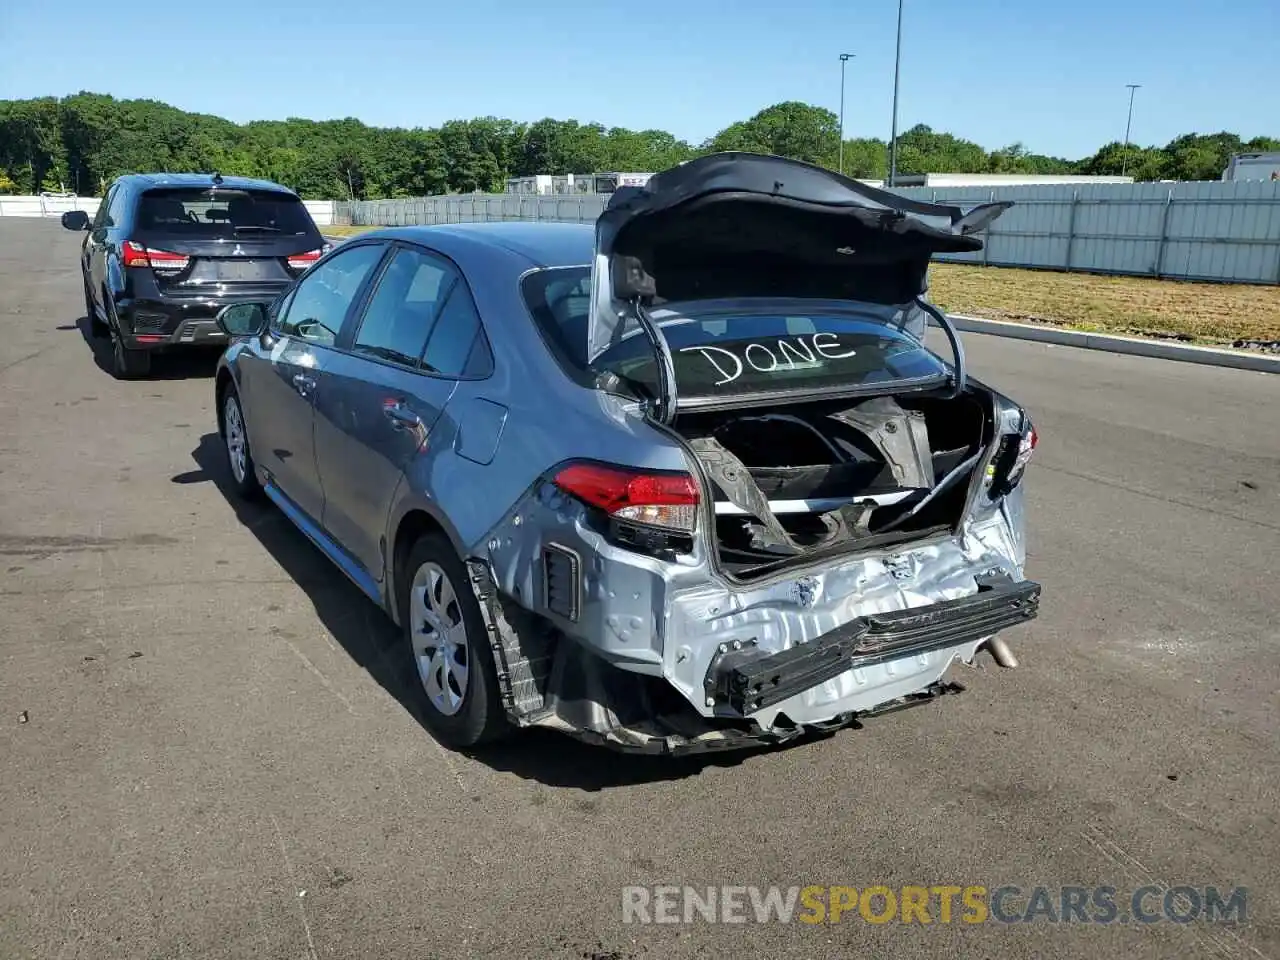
(181, 364)
(373, 642)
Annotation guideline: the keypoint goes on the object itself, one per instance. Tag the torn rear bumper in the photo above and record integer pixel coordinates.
(744, 681)
(877, 663)
(685, 733)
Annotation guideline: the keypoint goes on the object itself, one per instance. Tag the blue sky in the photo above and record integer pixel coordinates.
(1050, 75)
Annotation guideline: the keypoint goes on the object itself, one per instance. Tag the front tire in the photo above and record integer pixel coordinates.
(447, 640)
(244, 476)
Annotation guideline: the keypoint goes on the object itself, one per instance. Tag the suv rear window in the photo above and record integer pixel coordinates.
(223, 212)
(717, 353)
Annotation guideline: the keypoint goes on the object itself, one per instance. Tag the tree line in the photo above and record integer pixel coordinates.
(82, 142)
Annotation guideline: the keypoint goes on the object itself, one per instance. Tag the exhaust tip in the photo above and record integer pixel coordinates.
(1001, 653)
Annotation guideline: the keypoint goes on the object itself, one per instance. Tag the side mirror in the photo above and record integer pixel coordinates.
(75, 220)
(242, 319)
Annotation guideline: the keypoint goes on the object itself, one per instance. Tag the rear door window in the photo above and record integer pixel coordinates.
(457, 347)
(116, 211)
(223, 213)
(102, 218)
(403, 308)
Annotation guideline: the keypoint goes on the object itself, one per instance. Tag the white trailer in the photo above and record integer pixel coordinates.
(1253, 166)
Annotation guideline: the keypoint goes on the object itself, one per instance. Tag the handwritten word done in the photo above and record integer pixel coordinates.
(762, 358)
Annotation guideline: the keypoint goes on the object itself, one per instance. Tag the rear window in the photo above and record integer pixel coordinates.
(196, 212)
(739, 353)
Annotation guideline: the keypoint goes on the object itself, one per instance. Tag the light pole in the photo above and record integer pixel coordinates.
(893, 137)
(844, 58)
(1124, 157)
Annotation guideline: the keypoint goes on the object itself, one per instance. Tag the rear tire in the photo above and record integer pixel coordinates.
(97, 327)
(128, 364)
(447, 641)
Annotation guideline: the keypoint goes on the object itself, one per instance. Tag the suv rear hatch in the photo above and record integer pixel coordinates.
(222, 241)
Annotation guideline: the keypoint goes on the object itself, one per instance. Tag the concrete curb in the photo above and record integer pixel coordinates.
(1133, 346)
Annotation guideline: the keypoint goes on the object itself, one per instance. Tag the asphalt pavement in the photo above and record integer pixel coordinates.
(208, 747)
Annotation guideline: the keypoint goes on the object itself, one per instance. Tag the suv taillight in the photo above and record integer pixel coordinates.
(136, 255)
(300, 261)
(665, 500)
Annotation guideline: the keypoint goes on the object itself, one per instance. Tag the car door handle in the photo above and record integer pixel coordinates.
(400, 415)
(303, 384)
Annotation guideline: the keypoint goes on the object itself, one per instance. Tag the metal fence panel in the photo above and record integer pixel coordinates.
(1195, 231)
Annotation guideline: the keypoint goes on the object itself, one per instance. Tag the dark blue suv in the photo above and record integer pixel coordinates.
(166, 252)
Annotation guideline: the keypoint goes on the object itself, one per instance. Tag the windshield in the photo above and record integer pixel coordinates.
(720, 352)
(199, 213)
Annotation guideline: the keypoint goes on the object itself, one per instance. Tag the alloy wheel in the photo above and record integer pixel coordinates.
(439, 637)
(234, 424)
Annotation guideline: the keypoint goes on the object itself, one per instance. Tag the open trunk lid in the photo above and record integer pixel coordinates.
(739, 226)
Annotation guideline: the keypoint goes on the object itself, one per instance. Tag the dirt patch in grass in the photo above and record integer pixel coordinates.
(1218, 313)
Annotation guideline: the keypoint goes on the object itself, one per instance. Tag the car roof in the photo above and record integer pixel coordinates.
(541, 244)
(149, 180)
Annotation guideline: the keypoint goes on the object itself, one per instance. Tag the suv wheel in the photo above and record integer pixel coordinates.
(128, 364)
(96, 326)
(447, 639)
(243, 474)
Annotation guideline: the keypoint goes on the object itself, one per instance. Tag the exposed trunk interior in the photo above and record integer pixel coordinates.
(793, 483)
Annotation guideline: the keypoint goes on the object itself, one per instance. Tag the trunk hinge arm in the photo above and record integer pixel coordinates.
(663, 409)
(959, 378)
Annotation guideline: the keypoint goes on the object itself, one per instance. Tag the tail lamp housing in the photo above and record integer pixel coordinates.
(666, 500)
(648, 511)
(1007, 467)
(300, 261)
(134, 254)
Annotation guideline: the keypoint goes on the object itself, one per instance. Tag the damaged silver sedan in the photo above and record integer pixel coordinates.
(690, 480)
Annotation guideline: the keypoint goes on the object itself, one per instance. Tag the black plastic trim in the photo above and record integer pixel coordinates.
(746, 685)
(561, 564)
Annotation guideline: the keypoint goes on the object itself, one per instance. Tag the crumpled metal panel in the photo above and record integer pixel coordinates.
(796, 609)
(669, 618)
(900, 435)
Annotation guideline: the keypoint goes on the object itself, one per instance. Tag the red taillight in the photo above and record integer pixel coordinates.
(300, 261)
(657, 499)
(136, 255)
